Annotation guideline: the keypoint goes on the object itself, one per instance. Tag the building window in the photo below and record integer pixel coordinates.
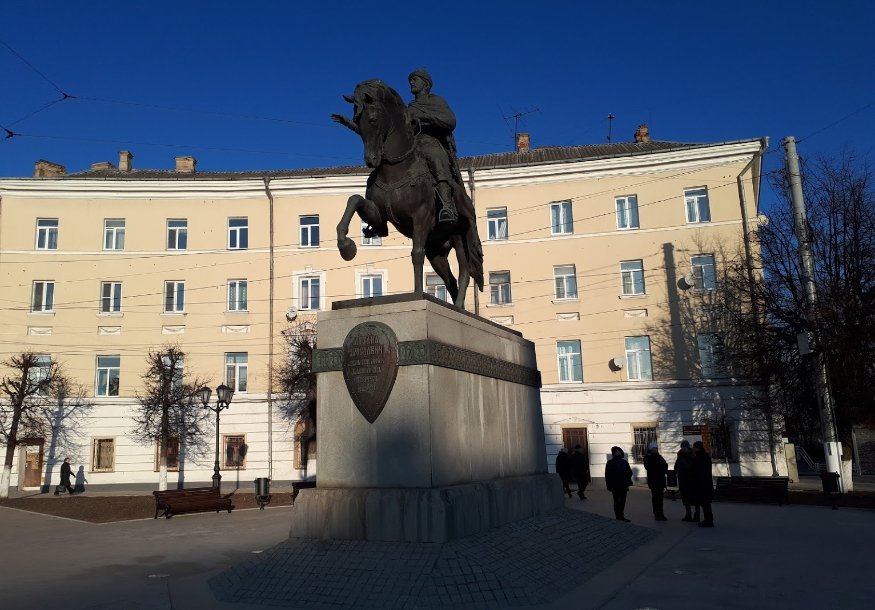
(570, 364)
(114, 234)
(642, 435)
(560, 218)
(309, 231)
(632, 277)
(627, 212)
(108, 372)
(434, 286)
(235, 451)
(238, 295)
(43, 296)
(712, 355)
(39, 374)
(638, 359)
(698, 208)
(372, 286)
(309, 293)
(721, 442)
(236, 370)
(102, 455)
(174, 297)
(704, 274)
(47, 233)
(499, 287)
(177, 234)
(238, 233)
(565, 280)
(172, 454)
(376, 240)
(496, 223)
(110, 297)
(177, 374)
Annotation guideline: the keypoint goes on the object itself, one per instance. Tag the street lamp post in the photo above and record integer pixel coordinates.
(223, 401)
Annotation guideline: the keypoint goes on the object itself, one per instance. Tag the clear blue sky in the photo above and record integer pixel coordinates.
(694, 71)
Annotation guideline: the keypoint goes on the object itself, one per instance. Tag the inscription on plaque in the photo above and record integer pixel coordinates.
(370, 365)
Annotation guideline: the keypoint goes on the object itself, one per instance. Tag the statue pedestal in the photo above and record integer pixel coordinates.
(458, 447)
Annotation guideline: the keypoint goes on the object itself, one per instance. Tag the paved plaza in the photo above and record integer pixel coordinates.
(758, 556)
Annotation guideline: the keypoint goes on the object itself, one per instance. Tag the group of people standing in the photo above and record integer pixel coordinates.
(692, 466)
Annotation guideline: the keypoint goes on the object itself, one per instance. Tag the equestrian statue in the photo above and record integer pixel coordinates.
(415, 184)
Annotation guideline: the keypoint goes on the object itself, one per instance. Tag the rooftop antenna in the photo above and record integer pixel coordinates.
(518, 118)
(611, 118)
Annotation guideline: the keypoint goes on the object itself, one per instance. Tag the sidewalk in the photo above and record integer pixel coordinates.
(757, 556)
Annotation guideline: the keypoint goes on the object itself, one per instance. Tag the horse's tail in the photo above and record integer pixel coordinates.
(475, 254)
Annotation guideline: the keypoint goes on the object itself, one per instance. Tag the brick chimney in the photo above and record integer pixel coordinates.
(523, 143)
(101, 165)
(186, 165)
(124, 161)
(47, 169)
(642, 134)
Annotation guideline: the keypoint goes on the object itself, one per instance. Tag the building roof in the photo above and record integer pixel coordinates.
(536, 156)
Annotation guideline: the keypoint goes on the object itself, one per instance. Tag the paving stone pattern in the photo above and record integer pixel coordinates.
(533, 561)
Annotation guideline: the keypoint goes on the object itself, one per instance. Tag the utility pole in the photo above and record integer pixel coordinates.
(832, 449)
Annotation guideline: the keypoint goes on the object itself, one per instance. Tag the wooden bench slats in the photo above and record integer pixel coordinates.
(753, 488)
(195, 499)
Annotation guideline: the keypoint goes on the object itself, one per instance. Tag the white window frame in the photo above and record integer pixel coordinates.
(435, 286)
(563, 288)
(499, 291)
(626, 207)
(110, 371)
(47, 233)
(697, 205)
(238, 295)
(309, 232)
(629, 270)
(366, 285)
(177, 233)
(45, 290)
(639, 360)
(37, 374)
(110, 297)
(113, 233)
(496, 224)
(370, 241)
(306, 299)
(95, 448)
(704, 272)
(561, 218)
(569, 364)
(238, 234)
(237, 369)
(174, 296)
(712, 355)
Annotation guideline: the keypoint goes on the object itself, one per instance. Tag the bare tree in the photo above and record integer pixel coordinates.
(169, 410)
(37, 400)
(297, 384)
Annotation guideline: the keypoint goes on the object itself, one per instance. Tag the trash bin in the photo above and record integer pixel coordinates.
(830, 482)
(262, 491)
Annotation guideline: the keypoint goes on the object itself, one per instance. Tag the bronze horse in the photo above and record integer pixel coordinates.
(401, 190)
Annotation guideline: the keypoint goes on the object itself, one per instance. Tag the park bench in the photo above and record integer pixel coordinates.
(744, 488)
(297, 486)
(193, 500)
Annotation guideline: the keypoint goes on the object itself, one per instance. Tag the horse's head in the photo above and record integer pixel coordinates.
(379, 111)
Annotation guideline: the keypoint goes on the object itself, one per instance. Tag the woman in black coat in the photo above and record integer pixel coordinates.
(683, 467)
(703, 485)
(563, 469)
(618, 479)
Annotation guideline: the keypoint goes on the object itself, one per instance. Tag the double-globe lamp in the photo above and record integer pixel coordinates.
(223, 401)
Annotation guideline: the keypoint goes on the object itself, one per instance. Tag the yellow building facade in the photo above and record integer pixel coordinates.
(588, 252)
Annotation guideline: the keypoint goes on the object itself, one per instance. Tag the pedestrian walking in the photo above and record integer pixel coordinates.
(80, 480)
(618, 479)
(703, 483)
(580, 470)
(66, 473)
(656, 467)
(563, 469)
(683, 466)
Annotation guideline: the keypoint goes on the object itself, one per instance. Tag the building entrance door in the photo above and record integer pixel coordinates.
(33, 465)
(572, 437)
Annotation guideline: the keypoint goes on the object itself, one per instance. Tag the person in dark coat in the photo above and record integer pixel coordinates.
(66, 473)
(656, 467)
(683, 466)
(580, 470)
(618, 479)
(703, 483)
(563, 469)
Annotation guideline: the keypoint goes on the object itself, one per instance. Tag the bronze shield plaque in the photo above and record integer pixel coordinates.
(370, 365)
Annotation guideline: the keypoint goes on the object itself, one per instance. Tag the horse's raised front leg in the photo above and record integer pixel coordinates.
(347, 246)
